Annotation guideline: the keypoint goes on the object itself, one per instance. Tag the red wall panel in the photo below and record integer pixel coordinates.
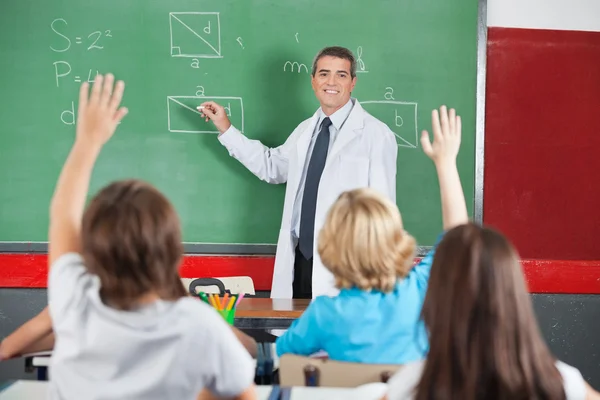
(542, 141)
(543, 276)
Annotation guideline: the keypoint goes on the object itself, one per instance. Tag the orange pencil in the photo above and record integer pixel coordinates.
(217, 303)
(224, 303)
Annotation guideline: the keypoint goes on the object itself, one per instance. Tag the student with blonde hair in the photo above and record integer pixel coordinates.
(121, 322)
(376, 316)
(484, 338)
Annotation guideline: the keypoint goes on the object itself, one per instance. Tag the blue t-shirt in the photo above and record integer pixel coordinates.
(365, 326)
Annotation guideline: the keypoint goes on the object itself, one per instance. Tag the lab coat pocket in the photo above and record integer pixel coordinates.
(353, 172)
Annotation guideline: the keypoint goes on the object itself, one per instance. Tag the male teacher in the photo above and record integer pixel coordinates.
(341, 147)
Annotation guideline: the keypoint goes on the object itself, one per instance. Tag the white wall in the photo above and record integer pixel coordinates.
(578, 15)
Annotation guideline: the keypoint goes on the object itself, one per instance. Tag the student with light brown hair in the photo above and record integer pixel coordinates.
(363, 243)
(122, 323)
(376, 316)
(484, 339)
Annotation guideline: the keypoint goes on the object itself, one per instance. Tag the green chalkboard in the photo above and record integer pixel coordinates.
(252, 55)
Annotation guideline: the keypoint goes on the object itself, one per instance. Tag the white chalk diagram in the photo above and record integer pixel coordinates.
(195, 34)
(183, 117)
(360, 63)
(400, 116)
(295, 67)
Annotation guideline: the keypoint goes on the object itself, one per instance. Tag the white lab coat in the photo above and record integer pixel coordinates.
(363, 155)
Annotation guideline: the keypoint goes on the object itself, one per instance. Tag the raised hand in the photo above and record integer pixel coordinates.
(446, 136)
(98, 113)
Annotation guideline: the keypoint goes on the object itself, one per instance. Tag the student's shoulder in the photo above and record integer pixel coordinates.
(573, 382)
(70, 286)
(68, 268)
(332, 305)
(322, 306)
(71, 259)
(196, 309)
(403, 383)
(326, 301)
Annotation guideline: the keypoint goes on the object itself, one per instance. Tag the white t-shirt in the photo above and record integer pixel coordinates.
(401, 386)
(164, 350)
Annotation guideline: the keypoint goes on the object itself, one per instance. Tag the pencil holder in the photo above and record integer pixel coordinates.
(228, 315)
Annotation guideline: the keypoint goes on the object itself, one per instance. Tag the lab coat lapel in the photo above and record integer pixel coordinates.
(351, 128)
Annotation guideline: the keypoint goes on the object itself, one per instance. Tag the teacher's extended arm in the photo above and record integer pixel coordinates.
(268, 164)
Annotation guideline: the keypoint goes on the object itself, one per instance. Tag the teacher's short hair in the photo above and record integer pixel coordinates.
(338, 52)
(363, 242)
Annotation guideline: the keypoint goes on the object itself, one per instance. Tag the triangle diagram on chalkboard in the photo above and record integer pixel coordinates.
(195, 34)
(399, 116)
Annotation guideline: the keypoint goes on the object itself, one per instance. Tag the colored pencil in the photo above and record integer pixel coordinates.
(231, 302)
(238, 300)
(224, 302)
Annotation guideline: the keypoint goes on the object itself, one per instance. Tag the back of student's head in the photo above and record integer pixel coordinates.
(484, 339)
(131, 239)
(363, 242)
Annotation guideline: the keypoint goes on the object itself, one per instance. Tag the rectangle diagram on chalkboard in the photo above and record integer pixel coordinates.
(400, 116)
(183, 115)
(195, 34)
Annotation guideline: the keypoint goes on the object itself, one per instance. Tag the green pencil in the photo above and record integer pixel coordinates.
(203, 297)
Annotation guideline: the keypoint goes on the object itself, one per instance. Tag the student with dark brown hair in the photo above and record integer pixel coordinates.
(123, 325)
(484, 339)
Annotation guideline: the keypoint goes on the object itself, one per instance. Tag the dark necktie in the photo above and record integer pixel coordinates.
(311, 188)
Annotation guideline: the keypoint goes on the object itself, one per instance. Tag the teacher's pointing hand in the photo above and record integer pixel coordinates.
(216, 113)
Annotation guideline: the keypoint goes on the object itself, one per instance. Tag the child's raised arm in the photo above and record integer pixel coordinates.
(443, 152)
(98, 115)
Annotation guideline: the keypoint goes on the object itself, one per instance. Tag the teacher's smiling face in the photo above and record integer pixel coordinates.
(333, 83)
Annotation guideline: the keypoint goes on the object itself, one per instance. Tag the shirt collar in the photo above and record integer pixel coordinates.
(338, 117)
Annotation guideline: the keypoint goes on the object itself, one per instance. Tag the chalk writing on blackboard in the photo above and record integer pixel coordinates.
(195, 34)
(389, 93)
(293, 66)
(95, 40)
(359, 60)
(62, 69)
(68, 116)
(183, 117)
(400, 116)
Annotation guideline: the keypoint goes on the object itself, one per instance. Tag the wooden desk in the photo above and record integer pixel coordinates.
(256, 313)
